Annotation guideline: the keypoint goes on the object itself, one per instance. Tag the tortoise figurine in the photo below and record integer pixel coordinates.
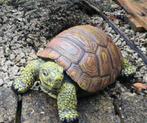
(80, 58)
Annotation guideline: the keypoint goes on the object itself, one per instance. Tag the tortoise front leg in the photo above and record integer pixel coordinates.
(67, 103)
(28, 76)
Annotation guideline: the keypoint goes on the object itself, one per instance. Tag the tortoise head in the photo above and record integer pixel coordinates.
(51, 76)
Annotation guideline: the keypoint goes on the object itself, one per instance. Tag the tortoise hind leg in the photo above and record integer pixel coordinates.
(128, 68)
(67, 103)
(28, 76)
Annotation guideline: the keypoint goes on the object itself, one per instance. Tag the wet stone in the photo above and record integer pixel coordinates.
(7, 105)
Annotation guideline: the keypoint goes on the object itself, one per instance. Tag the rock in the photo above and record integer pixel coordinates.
(1, 51)
(130, 107)
(4, 1)
(97, 109)
(133, 108)
(1, 82)
(23, 61)
(9, 63)
(145, 78)
(7, 105)
(12, 56)
(13, 70)
(114, 6)
(21, 55)
(40, 108)
(5, 68)
(4, 76)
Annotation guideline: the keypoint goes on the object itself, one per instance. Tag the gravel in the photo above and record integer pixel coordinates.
(1, 82)
(8, 105)
(26, 26)
(145, 78)
(111, 9)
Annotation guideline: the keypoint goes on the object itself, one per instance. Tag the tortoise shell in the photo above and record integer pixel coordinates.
(87, 55)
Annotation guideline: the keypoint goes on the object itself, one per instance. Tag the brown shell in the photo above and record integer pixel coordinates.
(87, 55)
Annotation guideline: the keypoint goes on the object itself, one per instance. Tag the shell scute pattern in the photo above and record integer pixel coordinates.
(104, 61)
(88, 56)
(88, 64)
(74, 72)
(80, 39)
(63, 61)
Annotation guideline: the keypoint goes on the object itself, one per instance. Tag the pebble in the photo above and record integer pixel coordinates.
(114, 6)
(145, 78)
(23, 61)
(1, 82)
(21, 33)
(12, 56)
(14, 69)
(5, 68)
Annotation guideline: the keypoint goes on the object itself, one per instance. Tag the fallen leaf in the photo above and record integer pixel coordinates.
(139, 86)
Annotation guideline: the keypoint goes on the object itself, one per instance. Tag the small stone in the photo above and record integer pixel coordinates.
(99, 109)
(23, 61)
(5, 68)
(114, 6)
(145, 78)
(1, 52)
(1, 82)
(9, 63)
(13, 70)
(144, 49)
(7, 51)
(133, 108)
(12, 56)
(39, 107)
(22, 55)
(117, 39)
(8, 105)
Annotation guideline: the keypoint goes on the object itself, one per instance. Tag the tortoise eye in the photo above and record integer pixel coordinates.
(45, 72)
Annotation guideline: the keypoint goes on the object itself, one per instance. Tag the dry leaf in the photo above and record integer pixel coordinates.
(139, 86)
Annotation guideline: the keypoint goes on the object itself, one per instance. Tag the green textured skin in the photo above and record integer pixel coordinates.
(51, 77)
(52, 82)
(28, 76)
(128, 68)
(67, 102)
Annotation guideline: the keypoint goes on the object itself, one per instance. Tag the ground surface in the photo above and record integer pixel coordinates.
(26, 26)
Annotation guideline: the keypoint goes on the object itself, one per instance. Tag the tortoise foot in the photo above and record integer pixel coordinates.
(72, 121)
(19, 87)
(69, 116)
